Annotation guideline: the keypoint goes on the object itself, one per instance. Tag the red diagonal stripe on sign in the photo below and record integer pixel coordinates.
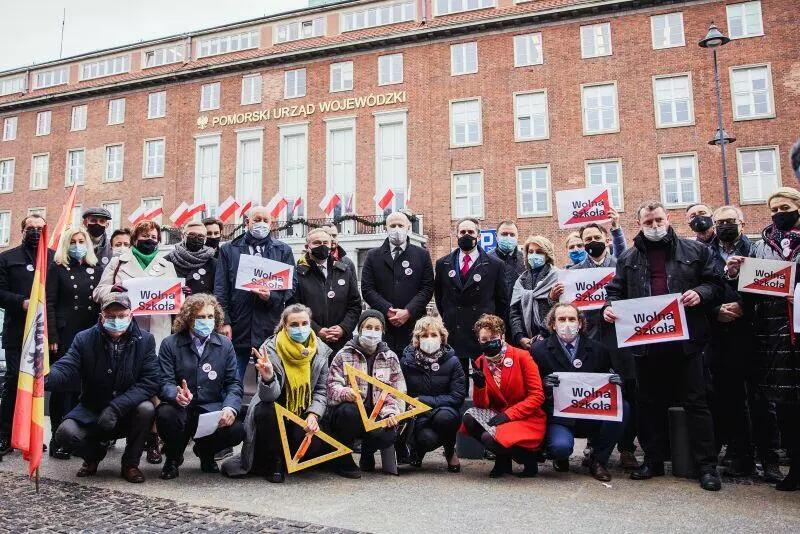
(600, 285)
(672, 307)
(174, 290)
(579, 218)
(757, 284)
(283, 275)
(581, 407)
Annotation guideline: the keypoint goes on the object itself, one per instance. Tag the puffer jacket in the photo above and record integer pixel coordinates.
(441, 385)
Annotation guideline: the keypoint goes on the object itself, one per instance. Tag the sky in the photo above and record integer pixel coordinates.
(97, 24)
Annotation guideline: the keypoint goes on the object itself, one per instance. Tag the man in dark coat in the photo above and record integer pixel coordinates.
(115, 363)
(468, 284)
(213, 234)
(96, 221)
(250, 316)
(337, 252)
(330, 288)
(16, 280)
(397, 280)
(193, 260)
(661, 263)
(509, 253)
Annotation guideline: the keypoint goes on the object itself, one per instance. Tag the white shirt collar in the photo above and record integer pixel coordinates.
(472, 255)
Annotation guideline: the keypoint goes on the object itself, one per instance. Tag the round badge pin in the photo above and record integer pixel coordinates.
(508, 362)
(331, 294)
(451, 274)
(89, 271)
(409, 272)
(29, 267)
(477, 277)
(196, 276)
(212, 375)
(435, 367)
(341, 282)
(206, 367)
(577, 364)
(201, 271)
(104, 260)
(405, 263)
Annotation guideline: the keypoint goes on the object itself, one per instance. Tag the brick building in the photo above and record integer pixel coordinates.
(470, 107)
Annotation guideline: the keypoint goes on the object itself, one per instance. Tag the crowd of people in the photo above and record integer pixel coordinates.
(498, 334)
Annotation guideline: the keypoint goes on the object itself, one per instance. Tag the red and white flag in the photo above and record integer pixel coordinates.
(191, 211)
(328, 203)
(296, 205)
(227, 208)
(385, 198)
(244, 209)
(178, 213)
(143, 214)
(276, 205)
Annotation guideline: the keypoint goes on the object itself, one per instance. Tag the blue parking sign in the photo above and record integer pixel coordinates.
(488, 240)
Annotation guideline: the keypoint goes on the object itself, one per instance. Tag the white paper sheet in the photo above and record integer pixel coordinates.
(207, 424)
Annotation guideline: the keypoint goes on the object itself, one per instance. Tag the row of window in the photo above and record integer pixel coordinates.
(667, 31)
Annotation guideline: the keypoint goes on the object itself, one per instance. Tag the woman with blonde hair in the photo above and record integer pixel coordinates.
(71, 279)
(433, 375)
(533, 292)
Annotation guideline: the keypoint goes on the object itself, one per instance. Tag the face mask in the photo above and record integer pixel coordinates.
(116, 325)
(656, 233)
(492, 347)
(535, 260)
(119, 251)
(595, 249)
(567, 331)
(577, 255)
(320, 253)
(203, 326)
(77, 252)
(397, 236)
(195, 242)
(32, 236)
(507, 244)
(701, 223)
(212, 242)
(147, 246)
(429, 345)
(728, 233)
(95, 230)
(785, 220)
(299, 334)
(259, 230)
(369, 339)
(467, 243)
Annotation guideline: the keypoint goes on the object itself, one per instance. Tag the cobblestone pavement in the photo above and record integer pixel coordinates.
(71, 507)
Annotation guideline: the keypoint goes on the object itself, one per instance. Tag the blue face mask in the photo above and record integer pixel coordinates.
(535, 260)
(259, 230)
(77, 251)
(299, 334)
(116, 325)
(507, 244)
(203, 327)
(577, 255)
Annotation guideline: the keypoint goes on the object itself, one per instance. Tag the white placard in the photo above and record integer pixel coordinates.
(257, 272)
(587, 396)
(577, 207)
(796, 318)
(155, 295)
(207, 424)
(767, 277)
(585, 288)
(650, 320)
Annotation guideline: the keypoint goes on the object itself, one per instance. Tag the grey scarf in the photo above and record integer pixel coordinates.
(527, 294)
(185, 260)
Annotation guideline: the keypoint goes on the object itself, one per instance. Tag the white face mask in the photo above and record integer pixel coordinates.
(567, 331)
(369, 339)
(260, 230)
(429, 345)
(397, 236)
(655, 233)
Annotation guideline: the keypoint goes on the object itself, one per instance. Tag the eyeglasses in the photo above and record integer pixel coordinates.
(727, 221)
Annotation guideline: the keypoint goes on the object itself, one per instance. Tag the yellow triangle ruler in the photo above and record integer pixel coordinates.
(294, 462)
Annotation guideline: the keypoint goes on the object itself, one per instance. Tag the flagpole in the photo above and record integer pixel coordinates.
(37, 479)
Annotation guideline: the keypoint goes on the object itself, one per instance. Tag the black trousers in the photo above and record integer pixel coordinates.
(627, 441)
(177, 425)
(86, 441)
(61, 403)
(667, 377)
(8, 398)
(728, 401)
(435, 429)
(766, 433)
(346, 426)
(519, 455)
(268, 447)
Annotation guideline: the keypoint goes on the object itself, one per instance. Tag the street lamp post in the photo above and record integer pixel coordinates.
(713, 40)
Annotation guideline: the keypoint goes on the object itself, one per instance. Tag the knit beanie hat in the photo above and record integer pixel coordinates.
(371, 313)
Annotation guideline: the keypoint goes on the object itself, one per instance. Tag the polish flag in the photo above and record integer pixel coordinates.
(141, 214)
(152, 214)
(190, 212)
(243, 210)
(137, 215)
(178, 213)
(227, 208)
(348, 206)
(384, 199)
(297, 203)
(330, 201)
(276, 204)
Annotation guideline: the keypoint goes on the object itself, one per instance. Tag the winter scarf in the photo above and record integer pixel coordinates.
(786, 244)
(185, 260)
(296, 359)
(426, 360)
(527, 291)
(143, 259)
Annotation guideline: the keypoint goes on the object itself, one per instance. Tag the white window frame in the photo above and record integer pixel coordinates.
(528, 41)
(106, 178)
(770, 91)
(286, 131)
(588, 163)
(253, 84)
(741, 5)
(453, 143)
(584, 120)
(68, 168)
(38, 210)
(203, 141)
(116, 115)
(518, 189)
(151, 202)
(44, 122)
(10, 128)
(656, 109)
(665, 16)
(390, 118)
(33, 171)
(778, 181)
(249, 135)
(390, 59)
(696, 170)
(59, 75)
(295, 73)
(517, 136)
(463, 50)
(332, 125)
(213, 97)
(13, 84)
(453, 214)
(374, 15)
(165, 55)
(341, 66)
(157, 105)
(5, 229)
(101, 68)
(318, 27)
(584, 53)
(146, 158)
(253, 36)
(79, 118)
(116, 222)
(13, 166)
(451, 9)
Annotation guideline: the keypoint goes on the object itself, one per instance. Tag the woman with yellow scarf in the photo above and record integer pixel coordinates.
(292, 371)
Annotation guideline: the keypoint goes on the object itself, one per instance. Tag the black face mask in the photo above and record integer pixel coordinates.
(701, 223)
(146, 246)
(212, 242)
(492, 347)
(32, 236)
(194, 243)
(595, 249)
(785, 220)
(320, 253)
(95, 230)
(728, 232)
(467, 242)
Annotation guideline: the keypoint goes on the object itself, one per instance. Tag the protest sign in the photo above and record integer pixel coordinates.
(796, 318)
(650, 320)
(587, 396)
(585, 288)
(577, 207)
(257, 272)
(155, 295)
(767, 277)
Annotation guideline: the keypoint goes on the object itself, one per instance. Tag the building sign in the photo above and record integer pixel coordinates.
(303, 110)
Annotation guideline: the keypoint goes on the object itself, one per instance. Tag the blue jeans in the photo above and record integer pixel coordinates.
(603, 435)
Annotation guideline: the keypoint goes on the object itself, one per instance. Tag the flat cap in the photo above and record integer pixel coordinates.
(121, 299)
(97, 212)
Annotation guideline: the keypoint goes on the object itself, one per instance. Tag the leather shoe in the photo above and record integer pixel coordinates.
(599, 471)
(710, 481)
(59, 453)
(5, 446)
(367, 462)
(627, 460)
(170, 470)
(772, 472)
(132, 474)
(87, 469)
(561, 466)
(529, 470)
(347, 468)
(502, 466)
(208, 465)
(647, 471)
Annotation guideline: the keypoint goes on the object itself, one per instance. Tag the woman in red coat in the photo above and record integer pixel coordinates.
(508, 396)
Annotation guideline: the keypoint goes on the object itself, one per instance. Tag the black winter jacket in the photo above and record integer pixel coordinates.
(444, 387)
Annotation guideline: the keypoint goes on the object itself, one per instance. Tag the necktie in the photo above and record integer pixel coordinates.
(396, 252)
(570, 351)
(466, 260)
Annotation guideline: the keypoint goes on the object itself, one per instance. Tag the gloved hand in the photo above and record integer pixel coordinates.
(107, 420)
(186, 290)
(116, 288)
(615, 379)
(498, 419)
(552, 381)
(478, 378)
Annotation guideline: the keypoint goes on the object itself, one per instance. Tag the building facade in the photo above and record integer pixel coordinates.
(479, 108)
